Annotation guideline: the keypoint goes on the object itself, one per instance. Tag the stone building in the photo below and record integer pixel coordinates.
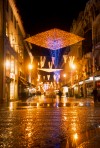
(87, 53)
(12, 51)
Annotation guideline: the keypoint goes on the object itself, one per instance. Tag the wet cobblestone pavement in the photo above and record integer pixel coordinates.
(33, 125)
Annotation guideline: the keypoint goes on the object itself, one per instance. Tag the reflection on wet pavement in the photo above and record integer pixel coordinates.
(26, 125)
(50, 102)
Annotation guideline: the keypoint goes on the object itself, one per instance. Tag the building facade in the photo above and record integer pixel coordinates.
(12, 51)
(87, 53)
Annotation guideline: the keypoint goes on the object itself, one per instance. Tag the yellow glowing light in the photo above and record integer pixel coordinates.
(49, 69)
(73, 66)
(30, 66)
(64, 75)
(7, 64)
(37, 104)
(11, 105)
(54, 39)
(48, 105)
(75, 136)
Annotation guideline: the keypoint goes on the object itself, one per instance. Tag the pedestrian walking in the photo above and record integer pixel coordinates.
(60, 94)
(95, 95)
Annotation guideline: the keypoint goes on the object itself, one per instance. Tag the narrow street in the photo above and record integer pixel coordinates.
(50, 123)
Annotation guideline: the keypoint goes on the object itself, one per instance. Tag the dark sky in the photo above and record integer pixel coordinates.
(41, 15)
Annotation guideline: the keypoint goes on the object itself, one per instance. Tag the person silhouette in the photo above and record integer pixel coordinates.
(95, 95)
(60, 94)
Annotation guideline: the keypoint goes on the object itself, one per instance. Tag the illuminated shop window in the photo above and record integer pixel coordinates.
(7, 65)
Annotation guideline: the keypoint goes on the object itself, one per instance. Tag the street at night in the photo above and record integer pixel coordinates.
(41, 122)
(50, 74)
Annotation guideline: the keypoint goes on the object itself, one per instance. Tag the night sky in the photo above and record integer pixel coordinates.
(41, 15)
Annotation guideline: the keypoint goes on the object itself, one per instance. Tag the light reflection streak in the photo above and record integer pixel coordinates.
(48, 105)
(11, 105)
(65, 118)
(37, 104)
(81, 104)
(64, 104)
(75, 136)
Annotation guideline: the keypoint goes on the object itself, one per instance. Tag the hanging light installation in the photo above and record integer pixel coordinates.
(54, 39)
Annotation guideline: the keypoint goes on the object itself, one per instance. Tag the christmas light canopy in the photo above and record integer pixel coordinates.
(54, 39)
(49, 69)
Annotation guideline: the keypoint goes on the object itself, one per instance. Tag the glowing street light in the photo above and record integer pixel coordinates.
(73, 66)
(64, 75)
(30, 66)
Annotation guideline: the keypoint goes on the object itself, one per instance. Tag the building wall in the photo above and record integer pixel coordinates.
(87, 53)
(1, 47)
(12, 46)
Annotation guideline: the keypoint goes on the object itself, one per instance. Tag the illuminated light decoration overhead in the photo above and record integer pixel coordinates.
(65, 58)
(50, 64)
(53, 60)
(49, 70)
(48, 76)
(71, 61)
(54, 39)
(42, 61)
(55, 56)
(57, 75)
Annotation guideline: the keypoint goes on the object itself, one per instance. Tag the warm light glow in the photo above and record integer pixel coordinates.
(7, 64)
(11, 105)
(49, 69)
(30, 66)
(73, 66)
(64, 75)
(71, 62)
(75, 136)
(54, 39)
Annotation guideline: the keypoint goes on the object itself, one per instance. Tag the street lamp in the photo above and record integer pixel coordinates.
(30, 66)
